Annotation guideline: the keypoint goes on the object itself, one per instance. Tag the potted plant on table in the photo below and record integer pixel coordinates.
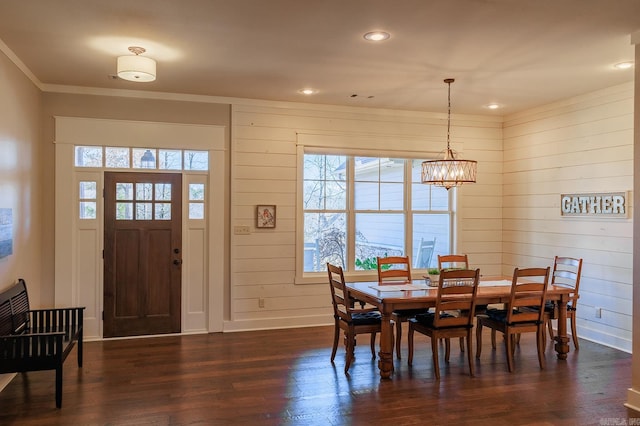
(434, 276)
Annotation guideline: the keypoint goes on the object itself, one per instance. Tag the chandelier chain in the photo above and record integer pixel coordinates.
(449, 117)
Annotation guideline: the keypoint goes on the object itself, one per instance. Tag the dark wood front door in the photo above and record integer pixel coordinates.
(142, 253)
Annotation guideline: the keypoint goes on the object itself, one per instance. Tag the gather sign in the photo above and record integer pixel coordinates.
(600, 204)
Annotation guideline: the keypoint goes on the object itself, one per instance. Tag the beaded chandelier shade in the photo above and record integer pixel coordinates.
(450, 171)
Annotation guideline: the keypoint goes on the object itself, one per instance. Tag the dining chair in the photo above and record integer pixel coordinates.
(453, 261)
(347, 317)
(453, 315)
(456, 261)
(566, 273)
(397, 268)
(524, 313)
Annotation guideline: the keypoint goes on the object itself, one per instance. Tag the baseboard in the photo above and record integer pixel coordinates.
(5, 379)
(276, 323)
(633, 400)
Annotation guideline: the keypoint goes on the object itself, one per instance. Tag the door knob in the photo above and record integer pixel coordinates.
(177, 262)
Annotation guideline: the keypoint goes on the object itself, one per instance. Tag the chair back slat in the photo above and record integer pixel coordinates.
(528, 293)
(456, 300)
(566, 273)
(394, 268)
(343, 302)
(453, 261)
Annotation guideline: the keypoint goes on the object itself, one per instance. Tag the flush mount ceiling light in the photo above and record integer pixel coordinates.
(450, 171)
(492, 106)
(135, 67)
(307, 91)
(376, 36)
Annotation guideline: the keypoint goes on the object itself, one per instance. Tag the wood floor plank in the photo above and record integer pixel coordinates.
(285, 377)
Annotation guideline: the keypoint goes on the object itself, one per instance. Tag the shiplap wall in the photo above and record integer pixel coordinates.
(264, 171)
(579, 145)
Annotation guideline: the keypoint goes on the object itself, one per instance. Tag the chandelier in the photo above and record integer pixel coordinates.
(450, 171)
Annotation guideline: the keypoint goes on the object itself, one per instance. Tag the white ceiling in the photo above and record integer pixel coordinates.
(518, 53)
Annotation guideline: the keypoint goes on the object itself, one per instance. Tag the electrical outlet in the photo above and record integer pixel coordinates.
(261, 302)
(242, 230)
(598, 312)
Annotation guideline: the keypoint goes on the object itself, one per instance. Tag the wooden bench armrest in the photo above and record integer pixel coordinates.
(29, 346)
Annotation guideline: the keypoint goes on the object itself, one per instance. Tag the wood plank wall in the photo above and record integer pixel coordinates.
(264, 171)
(578, 145)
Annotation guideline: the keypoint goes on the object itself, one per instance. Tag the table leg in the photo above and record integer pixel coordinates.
(385, 361)
(561, 338)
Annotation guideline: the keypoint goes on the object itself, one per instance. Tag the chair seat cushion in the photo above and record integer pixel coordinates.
(409, 313)
(427, 318)
(366, 318)
(500, 315)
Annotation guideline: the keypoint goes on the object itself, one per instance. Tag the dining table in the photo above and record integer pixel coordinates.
(397, 295)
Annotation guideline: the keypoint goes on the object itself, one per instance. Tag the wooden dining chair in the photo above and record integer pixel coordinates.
(453, 261)
(524, 312)
(347, 317)
(397, 268)
(566, 273)
(453, 315)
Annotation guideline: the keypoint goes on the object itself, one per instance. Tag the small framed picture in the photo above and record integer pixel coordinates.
(266, 216)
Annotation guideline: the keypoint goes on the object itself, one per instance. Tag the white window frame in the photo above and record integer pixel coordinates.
(353, 275)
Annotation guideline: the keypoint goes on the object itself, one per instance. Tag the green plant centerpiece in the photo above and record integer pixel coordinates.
(434, 276)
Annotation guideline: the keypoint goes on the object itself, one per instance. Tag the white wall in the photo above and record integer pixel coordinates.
(579, 145)
(264, 144)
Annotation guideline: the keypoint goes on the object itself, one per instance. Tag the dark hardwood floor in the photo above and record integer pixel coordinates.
(284, 377)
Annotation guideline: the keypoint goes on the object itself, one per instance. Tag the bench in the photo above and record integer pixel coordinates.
(37, 339)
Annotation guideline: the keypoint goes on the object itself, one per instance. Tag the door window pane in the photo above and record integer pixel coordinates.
(163, 191)
(144, 191)
(124, 211)
(144, 158)
(196, 160)
(117, 157)
(196, 191)
(143, 211)
(124, 191)
(88, 156)
(170, 159)
(163, 211)
(88, 210)
(87, 190)
(196, 211)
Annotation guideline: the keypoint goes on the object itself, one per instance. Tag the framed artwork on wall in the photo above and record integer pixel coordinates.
(266, 215)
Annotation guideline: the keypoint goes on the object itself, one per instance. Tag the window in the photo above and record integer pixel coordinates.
(357, 208)
(87, 196)
(196, 201)
(146, 200)
(141, 158)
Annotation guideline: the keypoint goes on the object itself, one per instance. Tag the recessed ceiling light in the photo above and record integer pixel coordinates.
(307, 91)
(377, 36)
(624, 65)
(492, 106)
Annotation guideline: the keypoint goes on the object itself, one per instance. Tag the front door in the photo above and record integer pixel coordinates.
(142, 253)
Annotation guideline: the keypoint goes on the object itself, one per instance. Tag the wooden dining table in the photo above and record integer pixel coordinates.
(406, 295)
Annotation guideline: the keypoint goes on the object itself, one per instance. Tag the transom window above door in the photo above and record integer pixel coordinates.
(141, 158)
